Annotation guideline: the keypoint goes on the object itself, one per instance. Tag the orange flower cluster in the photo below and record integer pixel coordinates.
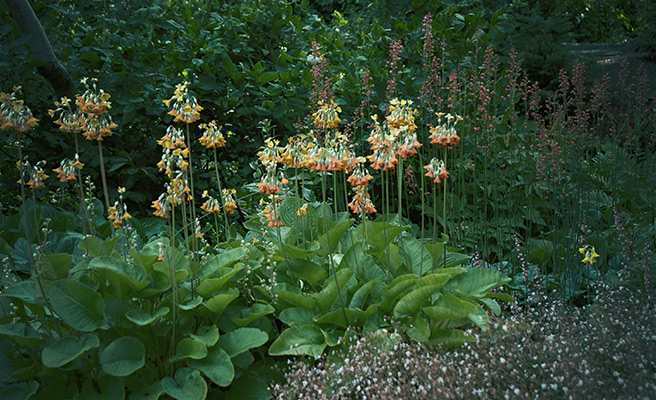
(175, 152)
(184, 106)
(69, 121)
(211, 205)
(229, 201)
(68, 169)
(14, 114)
(272, 179)
(334, 155)
(34, 173)
(436, 170)
(327, 117)
(401, 120)
(360, 180)
(118, 213)
(294, 154)
(94, 102)
(445, 134)
(212, 137)
(270, 211)
(395, 137)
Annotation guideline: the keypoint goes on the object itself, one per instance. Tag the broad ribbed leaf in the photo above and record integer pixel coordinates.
(415, 255)
(190, 348)
(142, 318)
(306, 270)
(450, 307)
(296, 316)
(67, 349)
(78, 305)
(306, 340)
(412, 301)
(477, 282)
(255, 311)
(186, 385)
(219, 302)
(241, 340)
(208, 334)
(329, 295)
(219, 261)
(123, 356)
(216, 366)
(210, 286)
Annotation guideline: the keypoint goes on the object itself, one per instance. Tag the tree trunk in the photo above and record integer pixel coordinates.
(47, 63)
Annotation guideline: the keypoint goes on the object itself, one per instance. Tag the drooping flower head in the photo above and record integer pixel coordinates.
(590, 254)
(444, 134)
(68, 169)
(94, 102)
(327, 117)
(436, 170)
(14, 114)
(69, 120)
(212, 137)
(184, 106)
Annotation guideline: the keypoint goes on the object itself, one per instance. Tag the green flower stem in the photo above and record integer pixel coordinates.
(330, 251)
(218, 181)
(37, 274)
(104, 181)
(399, 181)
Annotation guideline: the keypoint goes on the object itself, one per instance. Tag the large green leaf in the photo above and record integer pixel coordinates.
(219, 302)
(123, 356)
(304, 269)
(67, 349)
(334, 235)
(23, 290)
(296, 316)
(415, 255)
(209, 286)
(329, 294)
(241, 340)
(142, 318)
(306, 340)
(412, 301)
(18, 390)
(397, 288)
(190, 348)
(220, 261)
(377, 234)
(360, 296)
(56, 266)
(98, 247)
(187, 384)
(477, 282)
(365, 265)
(208, 334)
(450, 307)
(248, 315)
(216, 366)
(306, 224)
(295, 299)
(78, 305)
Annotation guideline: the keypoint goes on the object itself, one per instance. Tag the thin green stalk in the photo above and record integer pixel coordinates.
(399, 181)
(330, 251)
(218, 180)
(434, 223)
(194, 245)
(104, 181)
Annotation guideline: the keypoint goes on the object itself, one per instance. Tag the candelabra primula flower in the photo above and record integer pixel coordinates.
(294, 154)
(173, 139)
(360, 175)
(445, 134)
(69, 120)
(436, 170)
(211, 205)
(212, 137)
(229, 201)
(68, 168)
(93, 101)
(14, 114)
(590, 254)
(184, 106)
(118, 215)
(302, 211)
(327, 117)
(362, 201)
(35, 174)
